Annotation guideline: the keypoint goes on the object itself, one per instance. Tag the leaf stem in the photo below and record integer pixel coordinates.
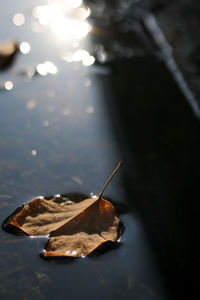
(109, 179)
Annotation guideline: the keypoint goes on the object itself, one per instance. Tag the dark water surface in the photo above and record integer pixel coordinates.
(56, 137)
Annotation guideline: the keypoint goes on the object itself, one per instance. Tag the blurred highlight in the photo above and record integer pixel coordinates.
(66, 18)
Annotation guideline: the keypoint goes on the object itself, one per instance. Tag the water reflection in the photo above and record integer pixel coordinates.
(39, 236)
(83, 13)
(46, 123)
(47, 67)
(74, 3)
(65, 18)
(51, 93)
(89, 109)
(33, 152)
(87, 82)
(66, 112)
(25, 47)
(80, 55)
(28, 74)
(8, 85)
(18, 19)
(88, 61)
(31, 104)
(68, 57)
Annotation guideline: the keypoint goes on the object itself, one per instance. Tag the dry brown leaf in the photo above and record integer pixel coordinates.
(41, 216)
(84, 233)
(76, 229)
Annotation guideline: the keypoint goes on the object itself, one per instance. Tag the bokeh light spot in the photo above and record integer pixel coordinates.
(33, 152)
(25, 47)
(18, 19)
(8, 85)
(50, 67)
(31, 104)
(89, 61)
(80, 55)
(89, 109)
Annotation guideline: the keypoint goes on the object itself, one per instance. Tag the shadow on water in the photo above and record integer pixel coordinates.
(158, 136)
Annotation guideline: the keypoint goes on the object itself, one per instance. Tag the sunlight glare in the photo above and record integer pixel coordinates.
(43, 14)
(80, 55)
(66, 18)
(83, 13)
(47, 67)
(70, 28)
(74, 3)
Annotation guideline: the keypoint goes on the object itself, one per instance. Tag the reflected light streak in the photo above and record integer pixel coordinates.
(46, 236)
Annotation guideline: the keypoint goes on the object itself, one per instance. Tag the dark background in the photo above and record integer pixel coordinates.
(158, 134)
